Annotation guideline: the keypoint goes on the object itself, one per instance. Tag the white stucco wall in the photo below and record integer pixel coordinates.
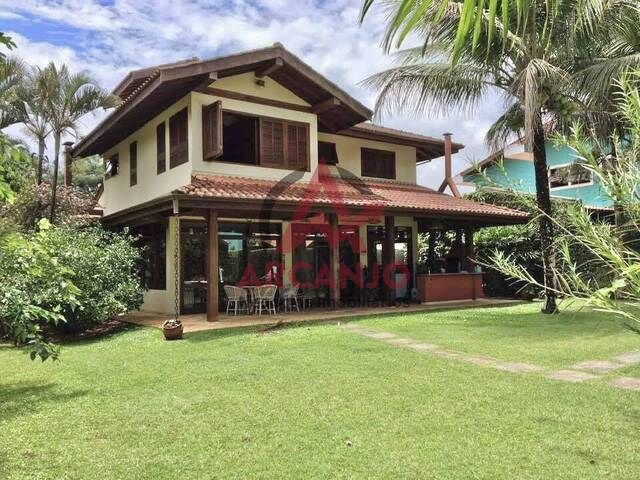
(162, 301)
(349, 157)
(118, 194)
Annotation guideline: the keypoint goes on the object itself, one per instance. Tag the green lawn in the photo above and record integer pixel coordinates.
(520, 333)
(321, 402)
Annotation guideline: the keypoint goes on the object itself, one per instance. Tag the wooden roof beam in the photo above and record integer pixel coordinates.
(211, 78)
(277, 63)
(325, 105)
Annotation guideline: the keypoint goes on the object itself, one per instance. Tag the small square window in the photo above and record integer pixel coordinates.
(327, 154)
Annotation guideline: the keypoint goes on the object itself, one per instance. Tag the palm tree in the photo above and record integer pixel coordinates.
(68, 97)
(534, 54)
(7, 42)
(12, 71)
(33, 111)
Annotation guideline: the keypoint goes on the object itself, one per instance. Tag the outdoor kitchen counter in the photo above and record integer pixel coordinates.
(441, 287)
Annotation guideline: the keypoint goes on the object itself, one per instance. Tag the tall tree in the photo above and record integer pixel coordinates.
(12, 72)
(532, 53)
(33, 112)
(7, 42)
(68, 97)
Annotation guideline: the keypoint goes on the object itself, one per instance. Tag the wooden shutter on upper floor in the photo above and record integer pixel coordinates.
(179, 138)
(284, 144)
(297, 147)
(133, 164)
(161, 148)
(212, 131)
(272, 143)
(378, 163)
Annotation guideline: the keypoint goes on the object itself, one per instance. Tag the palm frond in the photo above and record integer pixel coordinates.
(429, 87)
(508, 125)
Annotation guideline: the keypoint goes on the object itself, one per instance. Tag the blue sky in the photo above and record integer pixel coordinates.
(109, 38)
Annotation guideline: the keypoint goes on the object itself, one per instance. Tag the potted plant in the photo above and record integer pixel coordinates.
(172, 329)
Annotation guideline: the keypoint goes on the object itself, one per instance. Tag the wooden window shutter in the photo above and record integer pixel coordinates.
(378, 163)
(161, 148)
(133, 164)
(271, 143)
(297, 147)
(212, 131)
(178, 138)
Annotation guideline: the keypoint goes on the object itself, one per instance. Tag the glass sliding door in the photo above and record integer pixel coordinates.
(311, 258)
(350, 272)
(193, 249)
(248, 253)
(232, 246)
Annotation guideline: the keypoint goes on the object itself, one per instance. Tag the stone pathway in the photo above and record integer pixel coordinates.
(417, 345)
(571, 376)
(580, 372)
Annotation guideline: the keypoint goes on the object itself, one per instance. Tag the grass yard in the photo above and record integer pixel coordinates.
(520, 333)
(322, 402)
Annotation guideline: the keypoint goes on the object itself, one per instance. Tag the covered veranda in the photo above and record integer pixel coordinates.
(270, 228)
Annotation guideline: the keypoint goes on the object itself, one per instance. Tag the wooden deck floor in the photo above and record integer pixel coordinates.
(195, 323)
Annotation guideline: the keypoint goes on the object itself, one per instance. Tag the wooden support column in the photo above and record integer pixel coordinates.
(334, 248)
(68, 164)
(212, 267)
(388, 257)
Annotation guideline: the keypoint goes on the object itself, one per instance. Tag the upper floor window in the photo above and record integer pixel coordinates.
(327, 154)
(112, 168)
(178, 138)
(240, 133)
(377, 163)
(133, 164)
(249, 139)
(161, 148)
(569, 175)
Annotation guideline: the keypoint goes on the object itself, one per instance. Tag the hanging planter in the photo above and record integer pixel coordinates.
(172, 329)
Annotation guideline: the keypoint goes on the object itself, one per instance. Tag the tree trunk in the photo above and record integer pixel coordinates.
(41, 147)
(54, 183)
(546, 225)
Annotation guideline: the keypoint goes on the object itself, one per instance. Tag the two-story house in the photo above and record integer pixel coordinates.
(254, 168)
(512, 167)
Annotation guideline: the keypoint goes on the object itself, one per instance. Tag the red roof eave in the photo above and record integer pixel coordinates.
(398, 198)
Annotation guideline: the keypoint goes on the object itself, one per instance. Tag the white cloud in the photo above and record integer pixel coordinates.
(112, 39)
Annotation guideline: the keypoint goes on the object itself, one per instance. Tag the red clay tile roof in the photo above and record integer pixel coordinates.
(356, 192)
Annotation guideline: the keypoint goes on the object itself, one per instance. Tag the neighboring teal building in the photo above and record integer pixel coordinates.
(567, 179)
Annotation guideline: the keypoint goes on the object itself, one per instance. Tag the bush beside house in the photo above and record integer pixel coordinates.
(64, 277)
(520, 242)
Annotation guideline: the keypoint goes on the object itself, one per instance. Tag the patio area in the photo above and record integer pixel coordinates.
(198, 322)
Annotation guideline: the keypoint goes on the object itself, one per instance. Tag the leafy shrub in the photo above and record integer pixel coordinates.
(34, 202)
(35, 289)
(520, 242)
(16, 168)
(106, 267)
(67, 277)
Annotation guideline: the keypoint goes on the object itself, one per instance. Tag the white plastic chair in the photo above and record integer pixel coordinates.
(237, 297)
(266, 299)
(289, 297)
